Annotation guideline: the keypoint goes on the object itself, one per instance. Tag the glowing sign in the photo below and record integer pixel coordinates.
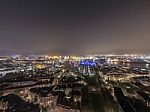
(89, 63)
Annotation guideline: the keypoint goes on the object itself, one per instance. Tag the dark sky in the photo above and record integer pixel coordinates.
(75, 26)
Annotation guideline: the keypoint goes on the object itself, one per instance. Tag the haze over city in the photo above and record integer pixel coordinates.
(75, 26)
(74, 56)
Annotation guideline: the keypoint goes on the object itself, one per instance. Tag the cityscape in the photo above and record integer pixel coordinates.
(92, 83)
(74, 55)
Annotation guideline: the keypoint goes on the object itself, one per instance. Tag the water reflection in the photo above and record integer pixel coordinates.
(139, 65)
(133, 65)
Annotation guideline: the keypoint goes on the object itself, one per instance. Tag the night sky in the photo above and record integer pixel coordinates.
(57, 27)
